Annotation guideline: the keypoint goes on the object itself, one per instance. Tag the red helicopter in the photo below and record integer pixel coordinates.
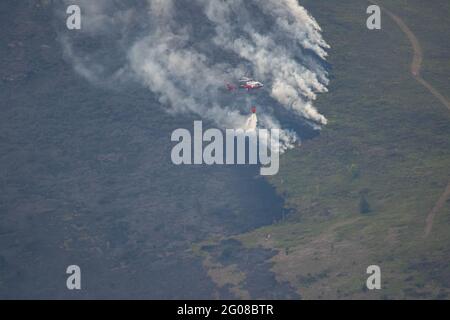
(245, 83)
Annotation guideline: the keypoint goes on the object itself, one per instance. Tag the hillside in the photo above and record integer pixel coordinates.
(360, 192)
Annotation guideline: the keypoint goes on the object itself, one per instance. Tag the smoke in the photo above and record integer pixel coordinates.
(251, 123)
(185, 51)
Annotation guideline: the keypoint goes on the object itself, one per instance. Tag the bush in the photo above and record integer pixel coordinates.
(364, 206)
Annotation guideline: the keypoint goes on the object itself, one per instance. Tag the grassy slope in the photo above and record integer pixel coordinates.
(387, 138)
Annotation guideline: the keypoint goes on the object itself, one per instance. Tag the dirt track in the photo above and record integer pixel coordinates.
(416, 66)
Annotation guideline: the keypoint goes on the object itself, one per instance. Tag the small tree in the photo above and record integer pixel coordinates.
(364, 206)
(354, 171)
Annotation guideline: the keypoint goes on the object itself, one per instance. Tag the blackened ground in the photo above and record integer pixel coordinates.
(86, 179)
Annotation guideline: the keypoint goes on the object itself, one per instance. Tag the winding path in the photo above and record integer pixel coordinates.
(416, 66)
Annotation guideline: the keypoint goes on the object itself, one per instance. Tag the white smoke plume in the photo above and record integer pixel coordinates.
(184, 52)
(251, 123)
